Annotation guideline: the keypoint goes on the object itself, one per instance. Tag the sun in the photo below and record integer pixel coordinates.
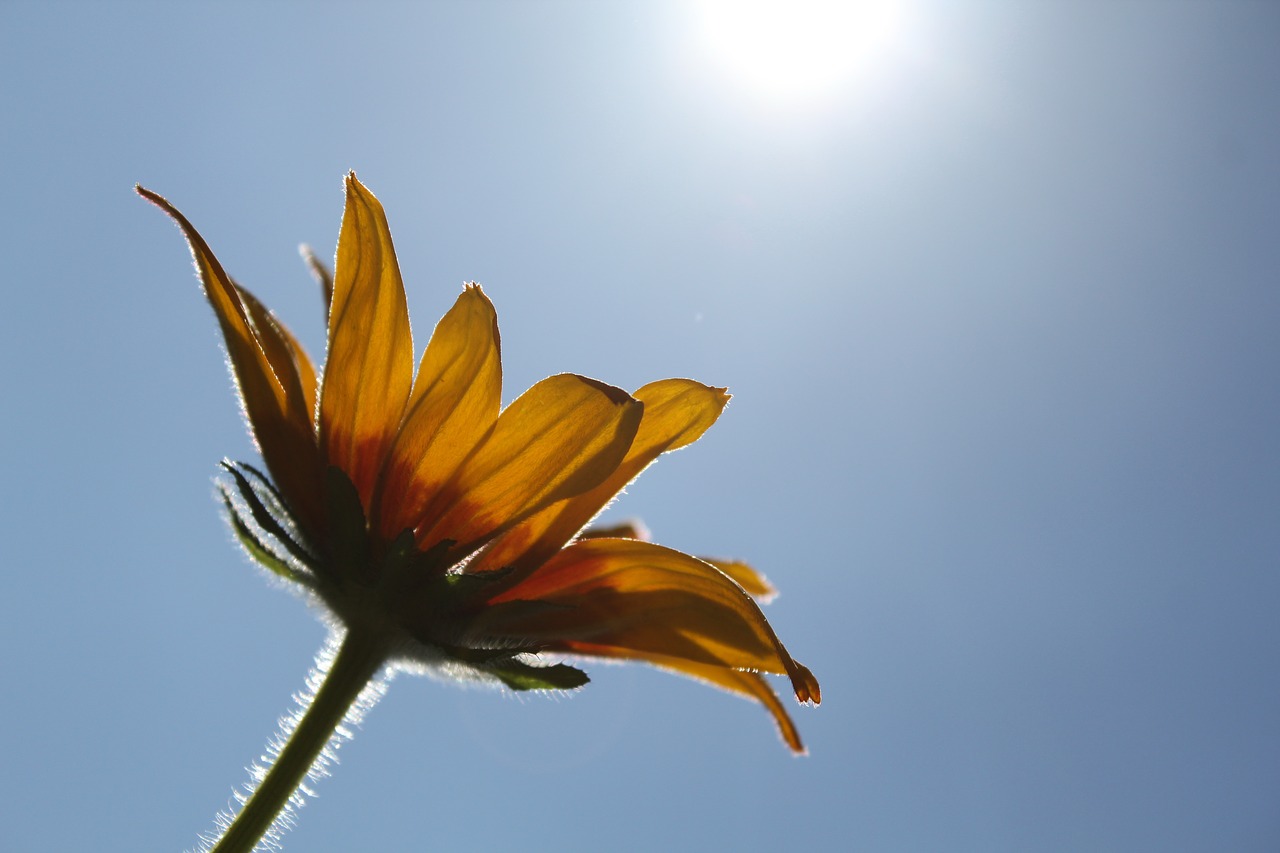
(797, 49)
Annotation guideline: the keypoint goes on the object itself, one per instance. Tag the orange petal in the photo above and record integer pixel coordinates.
(631, 599)
(562, 437)
(676, 413)
(280, 346)
(369, 367)
(271, 372)
(455, 403)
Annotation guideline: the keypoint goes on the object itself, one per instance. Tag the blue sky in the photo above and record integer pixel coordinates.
(998, 306)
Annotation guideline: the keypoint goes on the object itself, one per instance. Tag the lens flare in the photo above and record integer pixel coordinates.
(798, 49)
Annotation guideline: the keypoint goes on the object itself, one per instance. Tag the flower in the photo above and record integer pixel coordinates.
(451, 531)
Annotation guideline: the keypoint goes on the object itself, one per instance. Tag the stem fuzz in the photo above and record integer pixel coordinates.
(359, 658)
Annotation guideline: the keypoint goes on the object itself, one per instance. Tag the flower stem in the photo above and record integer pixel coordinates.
(359, 657)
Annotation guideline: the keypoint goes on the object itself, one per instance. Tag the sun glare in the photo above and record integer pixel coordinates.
(798, 49)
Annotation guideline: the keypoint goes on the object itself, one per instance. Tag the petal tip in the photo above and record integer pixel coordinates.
(351, 184)
(355, 187)
(808, 691)
(153, 197)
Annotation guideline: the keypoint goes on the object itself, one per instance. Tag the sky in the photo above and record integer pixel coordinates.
(993, 285)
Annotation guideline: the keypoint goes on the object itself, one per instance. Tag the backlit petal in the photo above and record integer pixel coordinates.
(267, 370)
(676, 413)
(631, 599)
(455, 402)
(369, 367)
(753, 686)
(280, 345)
(756, 584)
(562, 437)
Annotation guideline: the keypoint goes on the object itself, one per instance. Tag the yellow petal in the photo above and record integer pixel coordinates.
(756, 584)
(271, 372)
(631, 599)
(455, 402)
(753, 686)
(369, 367)
(562, 437)
(676, 413)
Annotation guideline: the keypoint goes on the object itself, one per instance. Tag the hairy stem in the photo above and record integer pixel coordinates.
(359, 658)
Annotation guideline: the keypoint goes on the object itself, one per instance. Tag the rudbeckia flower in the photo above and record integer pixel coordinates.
(440, 530)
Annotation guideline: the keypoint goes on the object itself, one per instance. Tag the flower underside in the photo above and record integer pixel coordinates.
(418, 510)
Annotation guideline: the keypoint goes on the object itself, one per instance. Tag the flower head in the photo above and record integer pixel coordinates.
(419, 511)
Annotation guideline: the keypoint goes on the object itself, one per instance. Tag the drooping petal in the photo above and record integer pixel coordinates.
(753, 686)
(562, 437)
(676, 413)
(630, 599)
(369, 367)
(455, 402)
(272, 375)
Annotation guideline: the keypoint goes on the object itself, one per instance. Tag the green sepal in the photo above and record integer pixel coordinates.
(409, 575)
(462, 586)
(513, 612)
(267, 518)
(348, 532)
(277, 500)
(523, 676)
(403, 556)
(260, 553)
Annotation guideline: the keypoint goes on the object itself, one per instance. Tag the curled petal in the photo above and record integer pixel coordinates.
(630, 599)
(369, 367)
(272, 373)
(562, 437)
(752, 685)
(676, 413)
(455, 402)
